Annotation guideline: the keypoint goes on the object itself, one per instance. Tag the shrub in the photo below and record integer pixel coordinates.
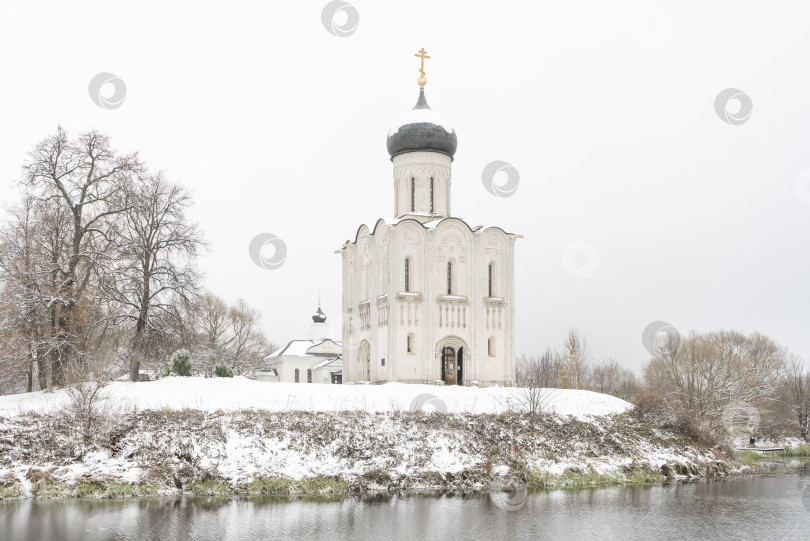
(650, 407)
(222, 370)
(181, 362)
(674, 416)
(86, 413)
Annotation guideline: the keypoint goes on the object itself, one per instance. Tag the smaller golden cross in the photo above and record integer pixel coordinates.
(422, 55)
(319, 296)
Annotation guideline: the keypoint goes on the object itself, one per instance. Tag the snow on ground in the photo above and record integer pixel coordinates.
(330, 431)
(210, 394)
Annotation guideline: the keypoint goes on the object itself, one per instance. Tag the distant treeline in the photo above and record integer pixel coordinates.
(745, 385)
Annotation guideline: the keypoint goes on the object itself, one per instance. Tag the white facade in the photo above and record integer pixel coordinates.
(425, 296)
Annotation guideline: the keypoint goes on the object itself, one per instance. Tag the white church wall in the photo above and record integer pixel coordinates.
(323, 375)
(286, 366)
(468, 315)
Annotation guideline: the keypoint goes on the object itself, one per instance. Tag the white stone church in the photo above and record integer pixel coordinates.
(426, 296)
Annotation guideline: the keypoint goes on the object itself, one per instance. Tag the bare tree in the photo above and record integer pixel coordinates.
(609, 377)
(715, 372)
(574, 360)
(212, 321)
(247, 345)
(229, 334)
(536, 377)
(33, 245)
(83, 177)
(795, 395)
(541, 370)
(21, 315)
(155, 258)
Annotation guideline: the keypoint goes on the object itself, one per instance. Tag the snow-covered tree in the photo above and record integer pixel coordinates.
(80, 182)
(153, 263)
(795, 391)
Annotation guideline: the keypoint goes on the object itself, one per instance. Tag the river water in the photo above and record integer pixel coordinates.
(763, 506)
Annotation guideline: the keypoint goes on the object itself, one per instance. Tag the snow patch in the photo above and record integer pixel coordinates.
(231, 394)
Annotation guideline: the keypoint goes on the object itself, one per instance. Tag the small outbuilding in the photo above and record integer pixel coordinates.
(317, 359)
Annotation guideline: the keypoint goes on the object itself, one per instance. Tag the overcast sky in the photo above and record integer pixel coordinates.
(637, 201)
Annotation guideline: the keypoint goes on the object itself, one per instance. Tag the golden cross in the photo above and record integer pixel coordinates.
(422, 54)
(319, 296)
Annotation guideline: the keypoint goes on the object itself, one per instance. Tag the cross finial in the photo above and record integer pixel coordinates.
(422, 54)
(319, 296)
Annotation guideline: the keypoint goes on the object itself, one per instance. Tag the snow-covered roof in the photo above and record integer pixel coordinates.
(414, 213)
(422, 129)
(432, 224)
(420, 116)
(295, 347)
(328, 362)
(301, 348)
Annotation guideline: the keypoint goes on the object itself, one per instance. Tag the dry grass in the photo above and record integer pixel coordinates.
(179, 450)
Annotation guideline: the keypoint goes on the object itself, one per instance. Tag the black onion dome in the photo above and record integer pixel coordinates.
(319, 316)
(422, 129)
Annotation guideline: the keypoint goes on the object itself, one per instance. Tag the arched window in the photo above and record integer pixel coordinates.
(407, 274)
(491, 346)
(410, 343)
(431, 195)
(309, 375)
(491, 277)
(296, 376)
(413, 194)
(449, 278)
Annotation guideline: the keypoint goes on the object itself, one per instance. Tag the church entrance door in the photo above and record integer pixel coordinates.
(459, 366)
(449, 366)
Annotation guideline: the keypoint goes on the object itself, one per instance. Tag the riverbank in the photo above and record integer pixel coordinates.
(753, 456)
(193, 451)
(740, 507)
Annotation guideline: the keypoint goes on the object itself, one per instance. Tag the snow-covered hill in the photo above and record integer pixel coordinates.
(237, 435)
(238, 393)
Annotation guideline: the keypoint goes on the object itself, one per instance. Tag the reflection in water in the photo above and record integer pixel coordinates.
(756, 507)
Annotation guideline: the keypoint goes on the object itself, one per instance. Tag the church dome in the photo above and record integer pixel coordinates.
(319, 316)
(422, 129)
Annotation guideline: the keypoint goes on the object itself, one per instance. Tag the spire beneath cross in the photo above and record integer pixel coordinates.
(422, 54)
(319, 296)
